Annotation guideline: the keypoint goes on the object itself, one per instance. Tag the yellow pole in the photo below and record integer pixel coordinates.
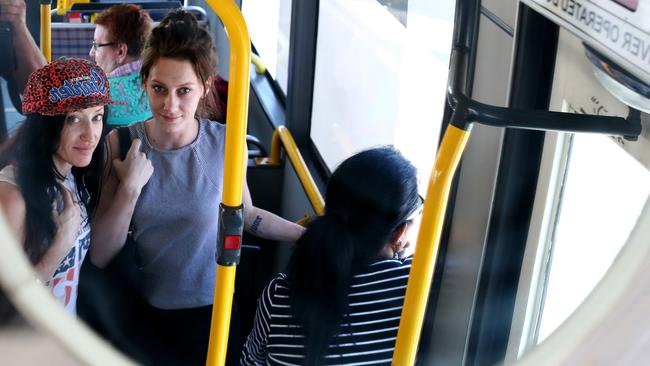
(274, 157)
(299, 165)
(260, 68)
(426, 250)
(233, 180)
(62, 7)
(221, 310)
(46, 30)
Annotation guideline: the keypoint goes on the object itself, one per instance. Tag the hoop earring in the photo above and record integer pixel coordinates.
(395, 251)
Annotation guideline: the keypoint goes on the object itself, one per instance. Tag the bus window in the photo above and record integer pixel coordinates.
(587, 206)
(380, 77)
(269, 24)
(604, 192)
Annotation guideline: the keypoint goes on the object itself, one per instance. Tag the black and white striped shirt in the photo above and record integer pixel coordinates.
(368, 331)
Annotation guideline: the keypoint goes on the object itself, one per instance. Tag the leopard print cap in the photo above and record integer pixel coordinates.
(66, 85)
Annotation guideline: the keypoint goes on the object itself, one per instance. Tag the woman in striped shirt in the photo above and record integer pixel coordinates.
(341, 298)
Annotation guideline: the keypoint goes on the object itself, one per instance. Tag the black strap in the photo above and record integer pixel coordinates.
(124, 139)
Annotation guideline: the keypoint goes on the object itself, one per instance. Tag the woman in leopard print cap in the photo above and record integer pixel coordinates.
(48, 165)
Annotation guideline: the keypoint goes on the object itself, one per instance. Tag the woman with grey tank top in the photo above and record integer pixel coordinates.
(169, 187)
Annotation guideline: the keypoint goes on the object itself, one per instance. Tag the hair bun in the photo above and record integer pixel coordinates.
(180, 36)
(179, 17)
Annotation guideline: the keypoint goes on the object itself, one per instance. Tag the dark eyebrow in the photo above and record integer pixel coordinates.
(185, 84)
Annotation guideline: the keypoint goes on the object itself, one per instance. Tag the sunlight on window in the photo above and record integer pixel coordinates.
(380, 78)
(269, 24)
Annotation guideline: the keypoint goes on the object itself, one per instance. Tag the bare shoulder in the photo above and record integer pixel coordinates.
(11, 199)
(13, 207)
(111, 152)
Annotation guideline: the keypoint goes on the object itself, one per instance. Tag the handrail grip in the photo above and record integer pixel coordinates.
(233, 170)
(282, 136)
(46, 29)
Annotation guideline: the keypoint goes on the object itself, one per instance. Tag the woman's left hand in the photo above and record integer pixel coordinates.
(68, 221)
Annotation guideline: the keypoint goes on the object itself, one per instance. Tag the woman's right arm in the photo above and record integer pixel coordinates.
(14, 210)
(123, 183)
(29, 56)
(67, 225)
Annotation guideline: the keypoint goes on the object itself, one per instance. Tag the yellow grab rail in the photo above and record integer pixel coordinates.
(260, 67)
(233, 179)
(426, 251)
(282, 136)
(62, 6)
(46, 29)
(35, 302)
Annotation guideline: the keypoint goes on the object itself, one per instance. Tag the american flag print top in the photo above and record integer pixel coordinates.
(65, 281)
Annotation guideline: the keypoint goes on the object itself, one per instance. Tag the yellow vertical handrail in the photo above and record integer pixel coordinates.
(62, 6)
(233, 177)
(426, 250)
(276, 145)
(46, 29)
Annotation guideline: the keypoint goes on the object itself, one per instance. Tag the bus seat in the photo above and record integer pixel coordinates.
(74, 39)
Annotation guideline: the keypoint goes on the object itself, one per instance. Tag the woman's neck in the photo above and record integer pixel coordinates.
(62, 166)
(128, 60)
(171, 139)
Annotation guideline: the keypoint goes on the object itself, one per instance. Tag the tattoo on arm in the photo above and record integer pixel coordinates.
(256, 224)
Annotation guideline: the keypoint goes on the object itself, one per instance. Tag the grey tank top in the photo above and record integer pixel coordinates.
(176, 219)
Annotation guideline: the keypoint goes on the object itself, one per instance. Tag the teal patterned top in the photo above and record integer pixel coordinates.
(128, 89)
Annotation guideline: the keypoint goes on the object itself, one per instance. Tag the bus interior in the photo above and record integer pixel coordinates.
(543, 241)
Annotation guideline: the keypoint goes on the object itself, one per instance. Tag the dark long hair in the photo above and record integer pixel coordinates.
(31, 151)
(368, 196)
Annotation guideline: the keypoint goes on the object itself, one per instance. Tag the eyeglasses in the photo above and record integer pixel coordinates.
(94, 45)
(418, 209)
